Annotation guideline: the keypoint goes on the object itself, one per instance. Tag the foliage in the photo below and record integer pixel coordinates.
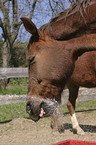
(10, 23)
(18, 54)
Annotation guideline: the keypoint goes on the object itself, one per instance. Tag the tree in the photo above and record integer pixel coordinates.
(73, 1)
(56, 6)
(10, 25)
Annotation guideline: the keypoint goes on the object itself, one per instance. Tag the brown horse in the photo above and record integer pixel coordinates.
(52, 51)
(84, 75)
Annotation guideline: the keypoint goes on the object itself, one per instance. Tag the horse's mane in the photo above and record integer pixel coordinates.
(77, 6)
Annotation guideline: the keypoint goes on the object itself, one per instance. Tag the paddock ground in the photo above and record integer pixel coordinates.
(21, 131)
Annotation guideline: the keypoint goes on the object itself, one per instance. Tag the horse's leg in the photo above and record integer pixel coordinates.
(73, 94)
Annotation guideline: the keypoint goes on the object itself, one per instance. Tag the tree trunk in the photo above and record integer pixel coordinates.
(6, 55)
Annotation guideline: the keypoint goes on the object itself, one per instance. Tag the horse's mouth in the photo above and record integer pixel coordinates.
(47, 108)
(39, 109)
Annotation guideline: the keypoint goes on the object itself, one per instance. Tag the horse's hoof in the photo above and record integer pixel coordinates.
(78, 131)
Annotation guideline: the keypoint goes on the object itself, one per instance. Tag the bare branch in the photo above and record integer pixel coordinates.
(71, 1)
(33, 8)
(6, 1)
(63, 5)
(15, 10)
(2, 3)
(15, 21)
(1, 24)
(15, 34)
(6, 23)
(51, 7)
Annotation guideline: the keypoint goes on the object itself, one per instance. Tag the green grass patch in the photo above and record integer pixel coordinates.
(16, 86)
(80, 106)
(10, 111)
(86, 105)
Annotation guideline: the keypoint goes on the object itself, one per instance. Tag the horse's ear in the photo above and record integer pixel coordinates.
(30, 26)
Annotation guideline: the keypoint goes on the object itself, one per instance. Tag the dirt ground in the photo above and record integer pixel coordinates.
(23, 131)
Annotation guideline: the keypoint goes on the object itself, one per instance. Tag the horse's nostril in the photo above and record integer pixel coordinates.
(28, 107)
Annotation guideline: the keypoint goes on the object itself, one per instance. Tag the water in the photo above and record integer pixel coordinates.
(57, 119)
(54, 110)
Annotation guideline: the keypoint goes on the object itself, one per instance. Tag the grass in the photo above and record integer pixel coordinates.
(86, 105)
(16, 86)
(83, 106)
(10, 111)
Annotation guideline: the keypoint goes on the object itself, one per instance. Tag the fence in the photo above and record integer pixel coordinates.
(6, 73)
(84, 95)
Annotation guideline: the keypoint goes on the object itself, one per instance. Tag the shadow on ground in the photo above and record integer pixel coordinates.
(86, 128)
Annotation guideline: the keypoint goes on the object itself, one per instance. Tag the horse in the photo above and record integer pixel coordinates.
(84, 75)
(52, 52)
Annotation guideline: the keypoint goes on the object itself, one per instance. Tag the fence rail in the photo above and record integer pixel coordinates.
(6, 73)
(84, 95)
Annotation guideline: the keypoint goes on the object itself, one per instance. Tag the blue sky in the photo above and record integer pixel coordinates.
(40, 18)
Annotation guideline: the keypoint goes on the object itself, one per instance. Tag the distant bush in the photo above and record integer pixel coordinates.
(18, 54)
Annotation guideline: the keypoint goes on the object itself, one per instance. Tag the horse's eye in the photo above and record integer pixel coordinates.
(31, 59)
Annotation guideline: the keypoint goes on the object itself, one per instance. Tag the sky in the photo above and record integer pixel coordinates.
(40, 18)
